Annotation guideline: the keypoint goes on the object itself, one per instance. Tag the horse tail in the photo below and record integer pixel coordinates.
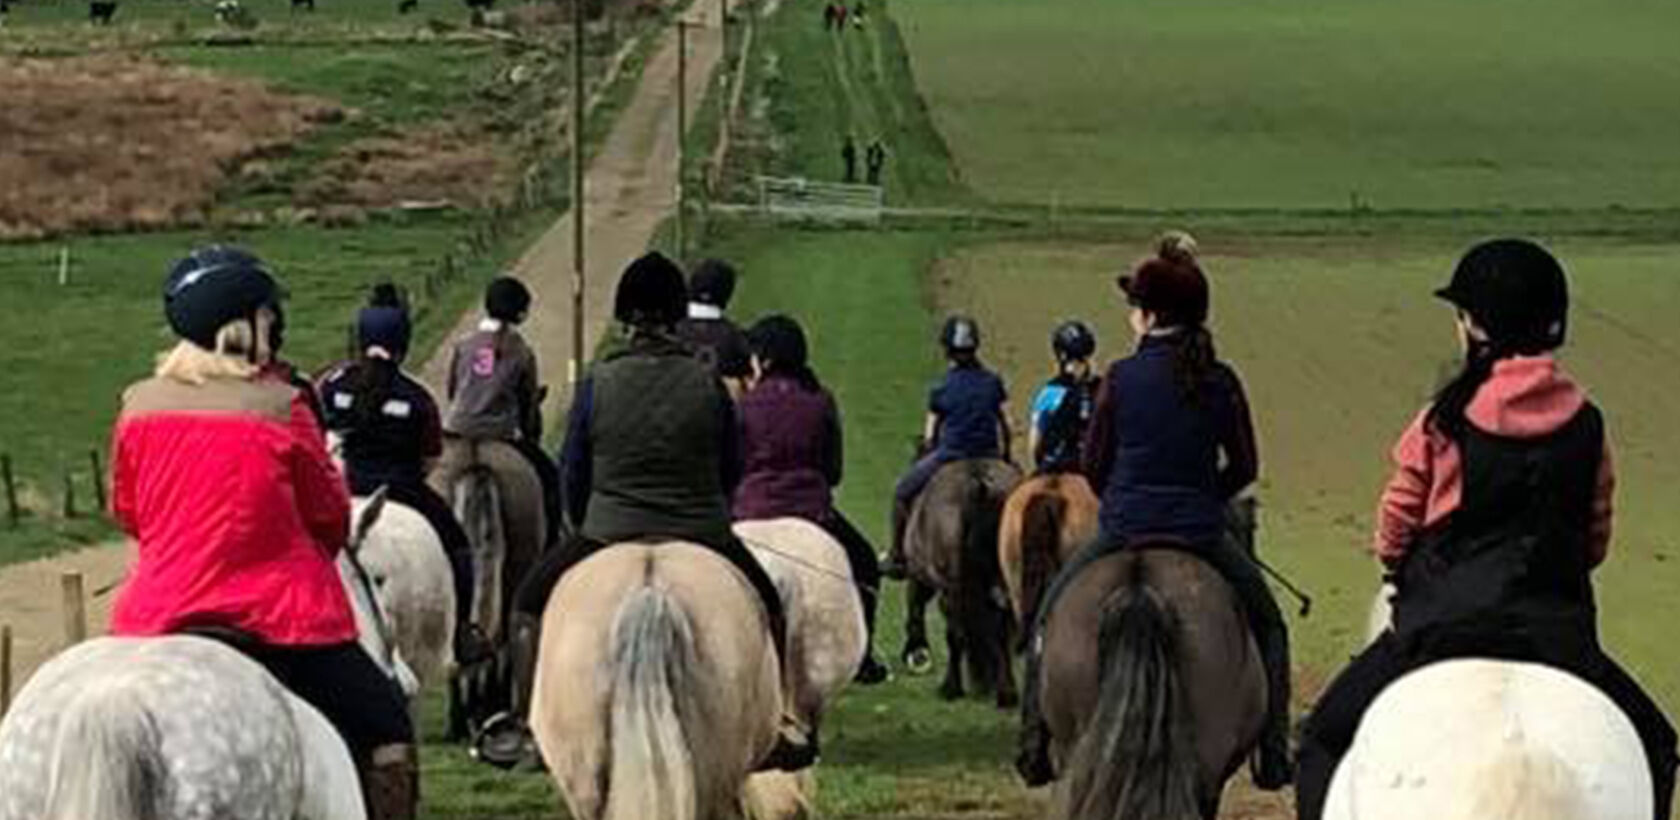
(1137, 757)
(1530, 783)
(1041, 533)
(652, 768)
(107, 761)
(984, 625)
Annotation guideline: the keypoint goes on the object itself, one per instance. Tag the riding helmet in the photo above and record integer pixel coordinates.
(213, 286)
(1515, 291)
(1073, 341)
(651, 292)
(779, 340)
(384, 322)
(712, 283)
(960, 334)
(507, 300)
(1170, 286)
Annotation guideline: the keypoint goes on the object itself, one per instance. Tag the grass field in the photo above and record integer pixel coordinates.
(1305, 103)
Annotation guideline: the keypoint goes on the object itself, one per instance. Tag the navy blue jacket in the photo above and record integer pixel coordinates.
(1164, 465)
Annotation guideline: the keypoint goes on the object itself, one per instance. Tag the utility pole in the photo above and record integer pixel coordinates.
(682, 138)
(575, 371)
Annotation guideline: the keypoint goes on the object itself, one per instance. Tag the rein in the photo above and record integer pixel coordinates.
(820, 570)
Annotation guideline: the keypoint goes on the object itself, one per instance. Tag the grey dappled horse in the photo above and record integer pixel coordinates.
(951, 549)
(181, 727)
(1153, 687)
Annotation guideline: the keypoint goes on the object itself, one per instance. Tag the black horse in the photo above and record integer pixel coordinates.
(100, 12)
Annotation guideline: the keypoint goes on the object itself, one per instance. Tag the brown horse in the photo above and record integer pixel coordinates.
(951, 549)
(1045, 521)
(1173, 703)
(657, 687)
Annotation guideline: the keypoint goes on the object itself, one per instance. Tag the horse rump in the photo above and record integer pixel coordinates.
(1137, 755)
(107, 760)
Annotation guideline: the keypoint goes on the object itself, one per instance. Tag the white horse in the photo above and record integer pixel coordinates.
(413, 583)
(180, 727)
(1472, 739)
(827, 636)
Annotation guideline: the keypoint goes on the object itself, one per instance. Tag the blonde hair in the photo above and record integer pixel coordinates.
(1177, 246)
(241, 350)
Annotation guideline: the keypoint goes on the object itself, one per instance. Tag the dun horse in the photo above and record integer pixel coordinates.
(1045, 521)
(951, 548)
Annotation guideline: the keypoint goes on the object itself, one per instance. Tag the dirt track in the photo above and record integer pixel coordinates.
(630, 188)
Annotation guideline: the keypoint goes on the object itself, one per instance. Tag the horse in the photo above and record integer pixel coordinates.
(950, 547)
(826, 636)
(498, 497)
(100, 12)
(1045, 521)
(1175, 700)
(413, 583)
(1472, 738)
(181, 726)
(639, 711)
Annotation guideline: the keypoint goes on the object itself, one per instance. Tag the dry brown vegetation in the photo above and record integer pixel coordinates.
(120, 143)
(452, 164)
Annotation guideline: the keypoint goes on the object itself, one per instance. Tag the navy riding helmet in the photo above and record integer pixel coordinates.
(215, 285)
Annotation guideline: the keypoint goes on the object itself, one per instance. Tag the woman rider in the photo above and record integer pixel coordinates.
(494, 391)
(637, 469)
(1062, 410)
(1170, 446)
(791, 443)
(221, 475)
(1498, 510)
(392, 435)
(708, 331)
(966, 419)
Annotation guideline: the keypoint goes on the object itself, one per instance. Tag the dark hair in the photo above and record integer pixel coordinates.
(1446, 413)
(1193, 360)
(779, 342)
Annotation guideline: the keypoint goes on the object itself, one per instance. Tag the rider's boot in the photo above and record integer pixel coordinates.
(894, 565)
(871, 671)
(1033, 758)
(471, 644)
(1273, 769)
(391, 783)
(505, 739)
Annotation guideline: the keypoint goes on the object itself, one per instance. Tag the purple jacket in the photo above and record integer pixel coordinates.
(790, 440)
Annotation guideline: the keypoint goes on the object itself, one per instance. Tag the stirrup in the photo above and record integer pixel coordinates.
(503, 741)
(790, 754)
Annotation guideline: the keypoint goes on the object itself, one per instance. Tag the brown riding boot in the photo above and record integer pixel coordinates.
(391, 783)
(505, 740)
(894, 566)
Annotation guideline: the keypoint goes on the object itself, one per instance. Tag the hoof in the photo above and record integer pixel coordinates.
(918, 661)
(950, 692)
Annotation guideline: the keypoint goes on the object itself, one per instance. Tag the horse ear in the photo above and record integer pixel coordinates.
(369, 517)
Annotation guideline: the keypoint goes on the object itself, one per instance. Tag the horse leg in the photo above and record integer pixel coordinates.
(917, 657)
(457, 730)
(1008, 697)
(952, 687)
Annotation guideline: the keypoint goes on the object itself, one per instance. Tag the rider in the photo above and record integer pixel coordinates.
(1062, 411)
(715, 339)
(391, 432)
(966, 419)
(1497, 513)
(494, 391)
(792, 447)
(638, 469)
(221, 475)
(1170, 446)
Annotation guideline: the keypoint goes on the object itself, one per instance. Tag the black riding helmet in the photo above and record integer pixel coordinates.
(1515, 291)
(1072, 341)
(215, 285)
(507, 300)
(712, 283)
(961, 334)
(779, 341)
(384, 322)
(651, 293)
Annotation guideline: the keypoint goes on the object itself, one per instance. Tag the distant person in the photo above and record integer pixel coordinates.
(1171, 445)
(840, 13)
(1063, 409)
(793, 458)
(875, 159)
(831, 13)
(849, 158)
(715, 340)
(494, 389)
(1497, 513)
(392, 434)
(966, 419)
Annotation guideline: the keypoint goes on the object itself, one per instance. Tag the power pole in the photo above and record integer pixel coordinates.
(682, 138)
(578, 104)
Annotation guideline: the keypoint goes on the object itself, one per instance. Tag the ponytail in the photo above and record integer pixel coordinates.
(371, 381)
(1446, 414)
(1193, 361)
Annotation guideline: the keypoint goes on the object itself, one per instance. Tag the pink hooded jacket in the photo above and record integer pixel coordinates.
(1526, 397)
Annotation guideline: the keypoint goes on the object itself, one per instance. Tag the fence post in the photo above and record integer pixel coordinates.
(5, 669)
(11, 488)
(75, 609)
(98, 465)
(69, 493)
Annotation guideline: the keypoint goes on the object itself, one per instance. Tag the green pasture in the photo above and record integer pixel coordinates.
(1305, 104)
(135, 17)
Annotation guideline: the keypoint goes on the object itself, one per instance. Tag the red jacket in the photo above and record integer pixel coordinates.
(1526, 397)
(238, 511)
